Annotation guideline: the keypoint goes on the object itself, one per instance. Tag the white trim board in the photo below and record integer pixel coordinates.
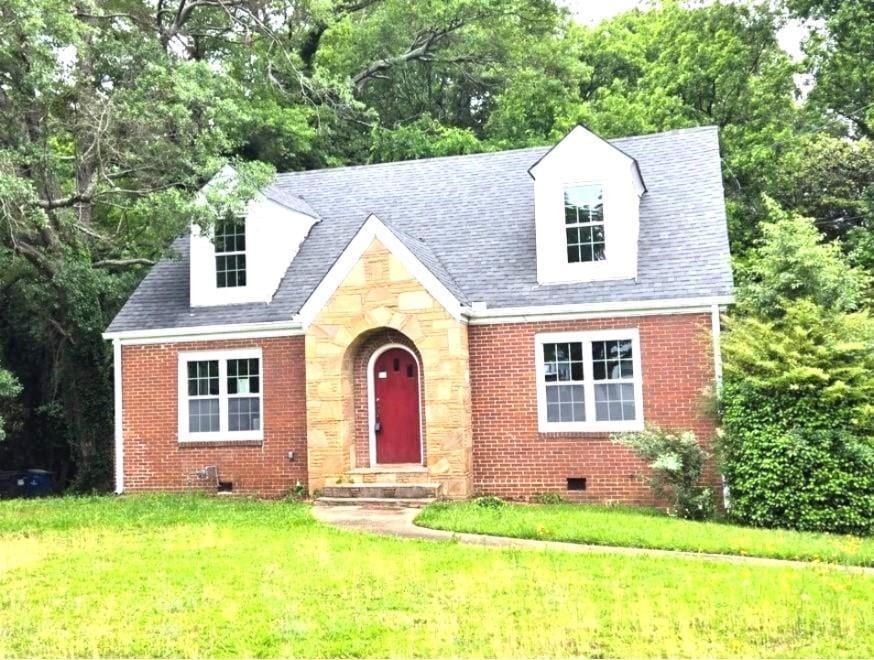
(207, 333)
(119, 416)
(475, 315)
(483, 316)
(374, 228)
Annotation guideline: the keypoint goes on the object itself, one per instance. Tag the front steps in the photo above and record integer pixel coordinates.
(380, 494)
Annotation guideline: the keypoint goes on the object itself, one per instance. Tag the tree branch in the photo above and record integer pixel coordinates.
(421, 49)
(122, 263)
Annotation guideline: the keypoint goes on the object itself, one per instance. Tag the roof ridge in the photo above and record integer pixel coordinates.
(481, 154)
(390, 163)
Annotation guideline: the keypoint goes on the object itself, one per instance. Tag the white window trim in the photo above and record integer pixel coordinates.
(239, 219)
(223, 434)
(585, 265)
(590, 223)
(590, 425)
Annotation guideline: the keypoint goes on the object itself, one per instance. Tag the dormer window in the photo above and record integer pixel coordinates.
(584, 223)
(230, 253)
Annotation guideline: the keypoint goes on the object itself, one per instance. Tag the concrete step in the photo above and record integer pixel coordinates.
(376, 502)
(383, 491)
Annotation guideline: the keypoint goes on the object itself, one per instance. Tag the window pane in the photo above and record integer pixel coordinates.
(552, 412)
(203, 415)
(573, 235)
(549, 352)
(243, 377)
(203, 378)
(586, 253)
(598, 253)
(244, 414)
(614, 402)
(565, 403)
(230, 236)
(573, 254)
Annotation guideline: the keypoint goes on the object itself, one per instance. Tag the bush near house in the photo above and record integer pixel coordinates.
(798, 398)
(676, 460)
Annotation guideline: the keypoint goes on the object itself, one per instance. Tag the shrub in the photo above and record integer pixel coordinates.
(790, 462)
(489, 502)
(548, 498)
(677, 461)
(798, 397)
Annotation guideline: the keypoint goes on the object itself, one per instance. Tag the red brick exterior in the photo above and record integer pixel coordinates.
(512, 459)
(155, 460)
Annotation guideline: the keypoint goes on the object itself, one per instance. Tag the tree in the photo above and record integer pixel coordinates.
(9, 387)
(840, 53)
(798, 394)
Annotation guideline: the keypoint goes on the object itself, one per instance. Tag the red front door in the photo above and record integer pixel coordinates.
(396, 399)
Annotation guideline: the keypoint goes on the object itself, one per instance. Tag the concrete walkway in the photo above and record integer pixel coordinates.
(399, 522)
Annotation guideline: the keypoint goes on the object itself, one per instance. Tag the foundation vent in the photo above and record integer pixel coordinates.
(576, 483)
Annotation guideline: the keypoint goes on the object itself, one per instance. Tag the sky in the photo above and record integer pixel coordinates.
(592, 12)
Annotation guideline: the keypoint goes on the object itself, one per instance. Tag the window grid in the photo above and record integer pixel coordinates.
(244, 410)
(589, 381)
(203, 393)
(563, 373)
(230, 251)
(584, 220)
(221, 396)
(613, 373)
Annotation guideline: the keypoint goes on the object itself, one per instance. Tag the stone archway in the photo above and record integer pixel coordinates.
(381, 297)
(364, 348)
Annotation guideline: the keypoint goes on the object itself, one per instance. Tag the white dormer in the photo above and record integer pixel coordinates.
(246, 258)
(586, 206)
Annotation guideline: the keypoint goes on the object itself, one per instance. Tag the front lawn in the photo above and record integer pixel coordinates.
(191, 576)
(644, 529)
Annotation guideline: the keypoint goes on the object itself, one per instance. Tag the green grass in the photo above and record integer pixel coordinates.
(188, 576)
(644, 529)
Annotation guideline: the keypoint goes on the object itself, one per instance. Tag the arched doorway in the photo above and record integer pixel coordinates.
(394, 406)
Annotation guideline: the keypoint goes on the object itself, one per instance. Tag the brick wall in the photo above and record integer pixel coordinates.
(512, 459)
(155, 460)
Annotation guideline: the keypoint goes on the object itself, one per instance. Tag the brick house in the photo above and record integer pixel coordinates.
(478, 323)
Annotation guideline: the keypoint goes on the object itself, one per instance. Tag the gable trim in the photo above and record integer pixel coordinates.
(375, 229)
(641, 184)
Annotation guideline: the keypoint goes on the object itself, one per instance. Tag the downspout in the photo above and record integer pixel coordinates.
(716, 334)
(119, 426)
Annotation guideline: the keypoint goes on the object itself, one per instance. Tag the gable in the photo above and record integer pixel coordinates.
(404, 264)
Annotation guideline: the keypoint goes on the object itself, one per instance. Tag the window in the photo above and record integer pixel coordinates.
(230, 254)
(584, 223)
(589, 381)
(220, 395)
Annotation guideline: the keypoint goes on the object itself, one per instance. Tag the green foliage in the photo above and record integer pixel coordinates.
(839, 57)
(798, 397)
(677, 461)
(643, 528)
(489, 502)
(9, 387)
(790, 464)
(232, 577)
(422, 138)
(547, 498)
(792, 262)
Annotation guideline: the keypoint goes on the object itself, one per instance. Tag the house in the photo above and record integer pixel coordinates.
(480, 323)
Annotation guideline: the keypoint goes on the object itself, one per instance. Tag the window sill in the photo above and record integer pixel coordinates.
(589, 429)
(222, 440)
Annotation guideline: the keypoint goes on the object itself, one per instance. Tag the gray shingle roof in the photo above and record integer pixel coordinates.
(470, 219)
